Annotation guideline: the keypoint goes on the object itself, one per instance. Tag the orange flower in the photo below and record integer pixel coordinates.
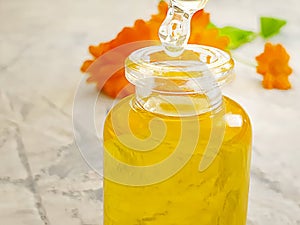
(145, 31)
(273, 65)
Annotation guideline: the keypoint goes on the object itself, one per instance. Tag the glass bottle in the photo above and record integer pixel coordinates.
(177, 152)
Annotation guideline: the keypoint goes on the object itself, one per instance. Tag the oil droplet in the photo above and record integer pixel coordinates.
(174, 32)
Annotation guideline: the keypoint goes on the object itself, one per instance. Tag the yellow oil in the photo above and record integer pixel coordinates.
(215, 196)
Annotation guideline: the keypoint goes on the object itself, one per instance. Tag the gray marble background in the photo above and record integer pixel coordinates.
(43, 178)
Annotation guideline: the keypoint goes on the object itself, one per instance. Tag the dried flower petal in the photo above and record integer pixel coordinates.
(273, 65)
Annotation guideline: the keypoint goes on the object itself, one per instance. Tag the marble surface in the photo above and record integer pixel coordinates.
(43, 178)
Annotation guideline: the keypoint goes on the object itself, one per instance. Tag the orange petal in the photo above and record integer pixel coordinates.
(273, 65)
(282, 83)
(200, 20)
(210, 37)
(118, 86)
(86, 65)
(268, 81)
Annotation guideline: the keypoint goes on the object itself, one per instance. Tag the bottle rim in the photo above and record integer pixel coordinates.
(200, 60)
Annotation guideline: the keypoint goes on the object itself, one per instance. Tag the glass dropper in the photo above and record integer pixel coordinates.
(174, 32)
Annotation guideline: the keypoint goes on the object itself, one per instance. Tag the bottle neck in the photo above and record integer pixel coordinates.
(179, 86)
(178, 98)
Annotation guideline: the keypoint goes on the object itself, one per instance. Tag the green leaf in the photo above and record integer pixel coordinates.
(211, 25)
(237, 36)
(270, 26)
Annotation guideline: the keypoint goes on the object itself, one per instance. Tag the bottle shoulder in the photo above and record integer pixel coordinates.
(129, 121)
(238, 124)
(234, 112)
(235, 117)
(128, 105)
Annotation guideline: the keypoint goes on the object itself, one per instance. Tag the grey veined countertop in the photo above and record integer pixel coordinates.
(43, 178)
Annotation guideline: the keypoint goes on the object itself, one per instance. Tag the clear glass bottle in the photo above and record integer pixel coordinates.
(177, 152)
